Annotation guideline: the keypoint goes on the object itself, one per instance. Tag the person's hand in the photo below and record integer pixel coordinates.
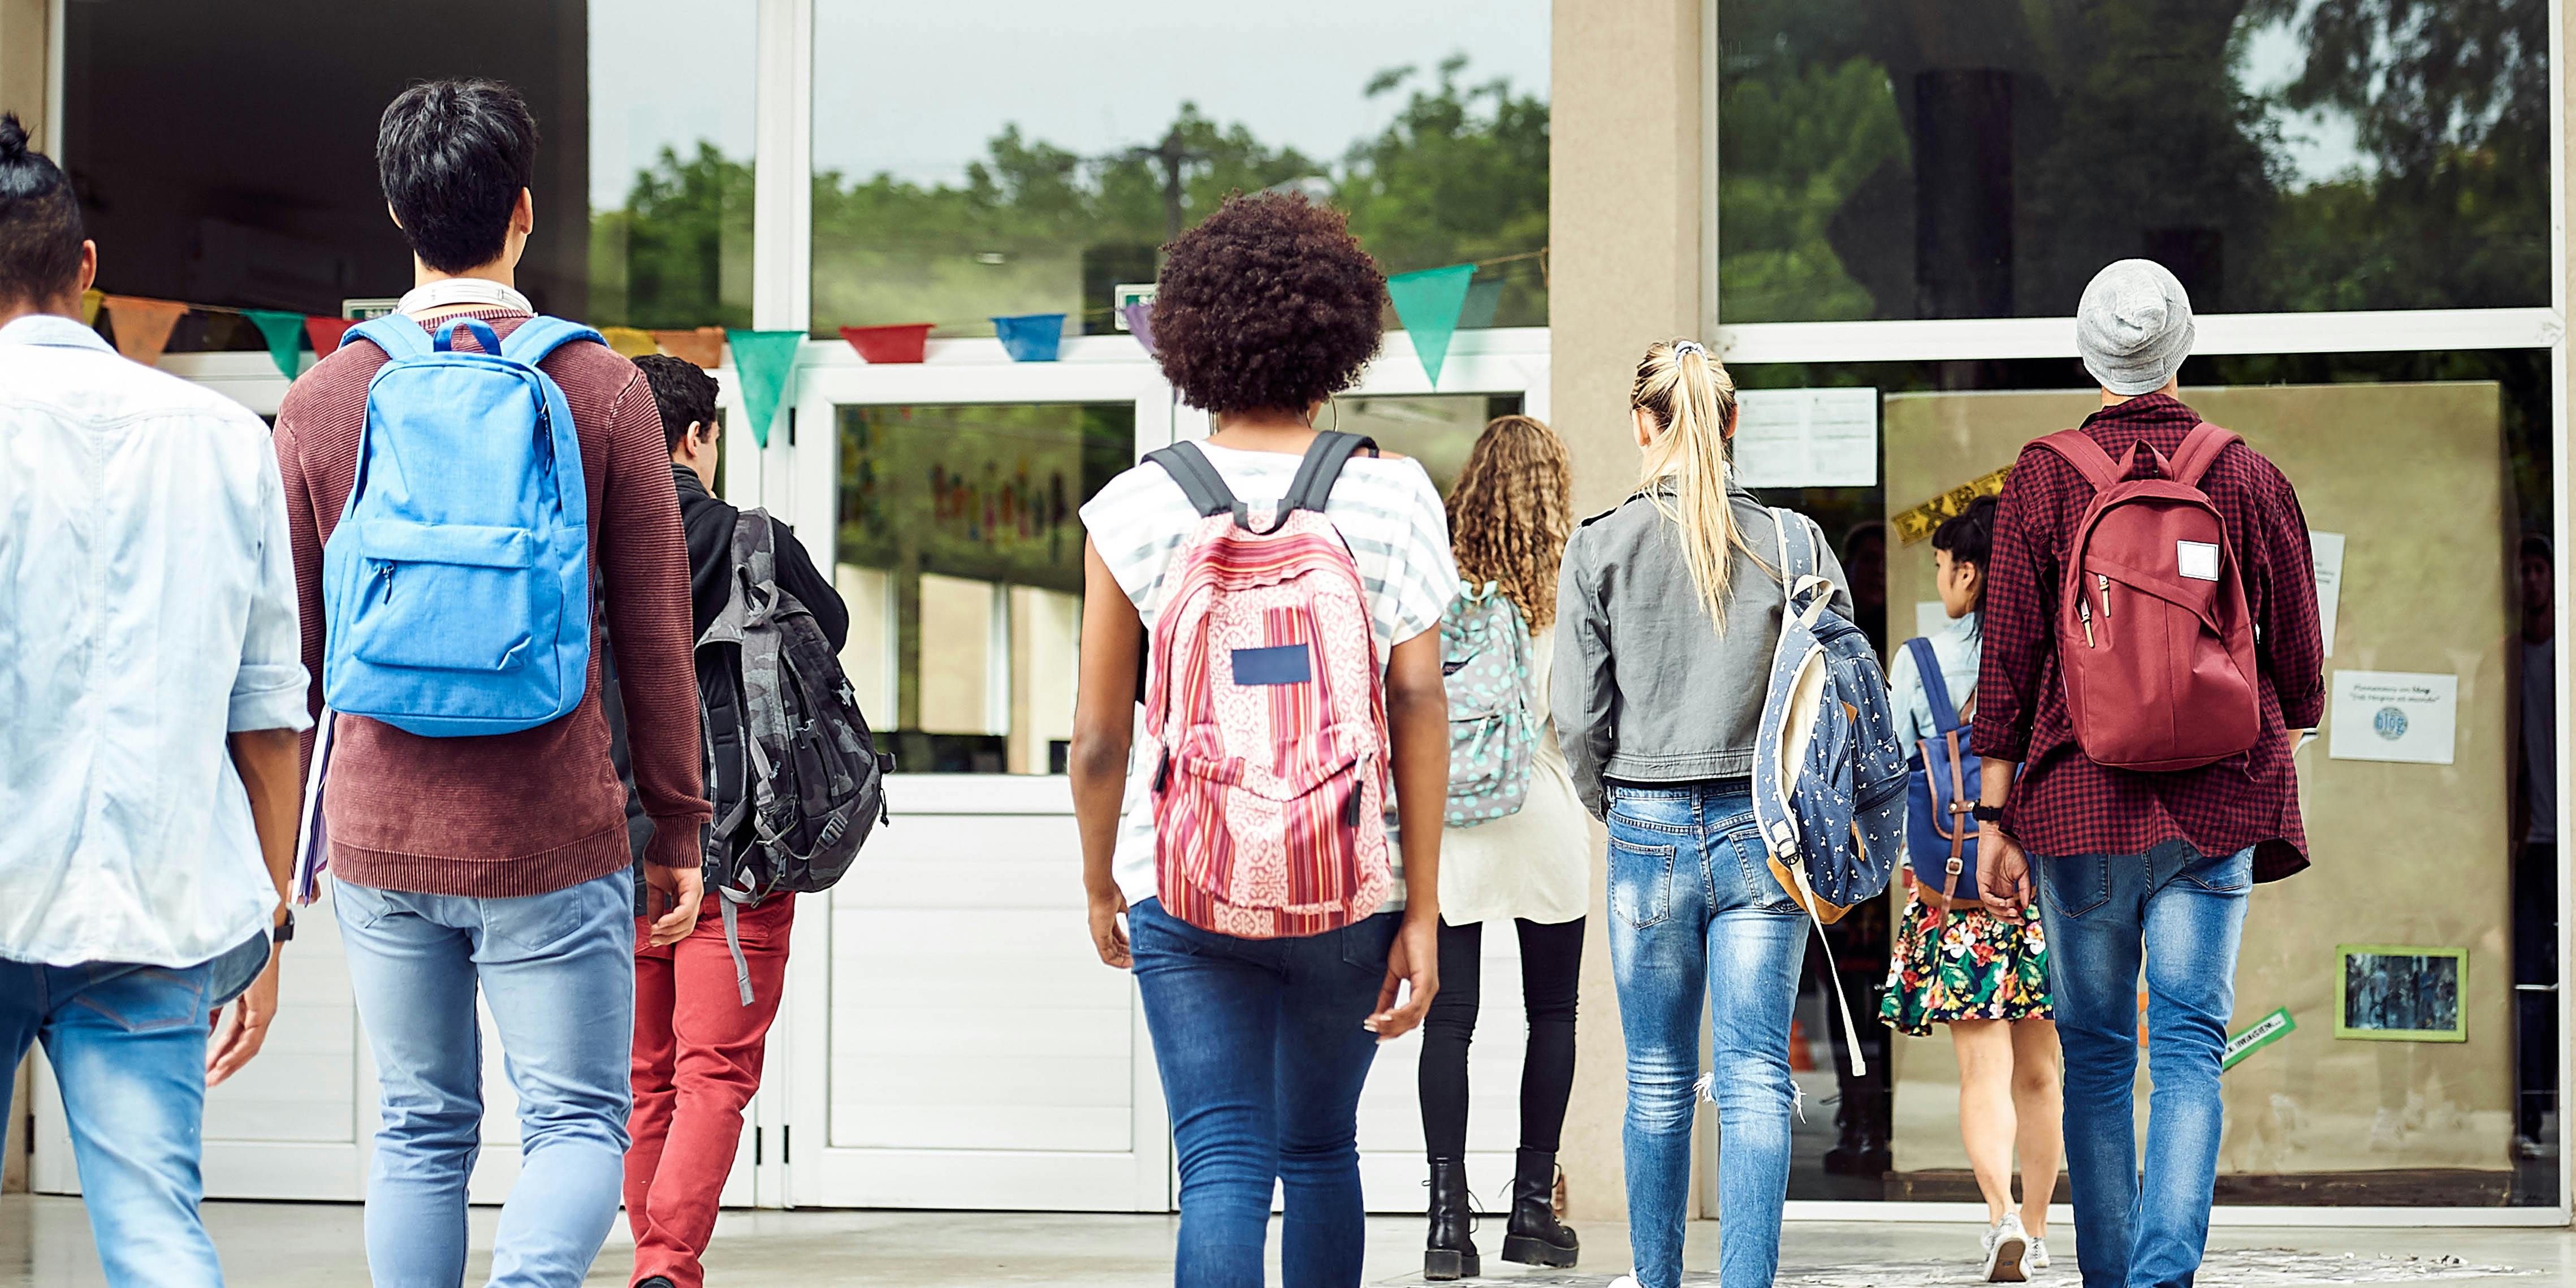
(245, 1024)
(1414, 959)
(684, 887)
(2003, 873)
(1108, 938)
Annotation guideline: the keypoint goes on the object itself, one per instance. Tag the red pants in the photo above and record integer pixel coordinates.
(697, 1062)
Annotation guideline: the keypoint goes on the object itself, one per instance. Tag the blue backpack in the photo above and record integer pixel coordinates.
(1940, 837)
(456, 588)
(1485, 662)
(1828, 776)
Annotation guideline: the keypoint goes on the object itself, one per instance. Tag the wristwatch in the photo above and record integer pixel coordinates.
(1984, 813)
(284, 930)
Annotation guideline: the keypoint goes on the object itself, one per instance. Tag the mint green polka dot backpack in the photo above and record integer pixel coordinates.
(1485, 657)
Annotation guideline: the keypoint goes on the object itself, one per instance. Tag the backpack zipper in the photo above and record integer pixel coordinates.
(2106, 596)
(2084, 610)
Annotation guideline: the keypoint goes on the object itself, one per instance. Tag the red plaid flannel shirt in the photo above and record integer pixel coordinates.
(2064, 804)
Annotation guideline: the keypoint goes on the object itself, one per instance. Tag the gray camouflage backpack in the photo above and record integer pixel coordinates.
(794, 775)
(1485, 658)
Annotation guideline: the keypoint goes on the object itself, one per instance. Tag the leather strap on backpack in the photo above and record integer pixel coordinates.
(2199, 451)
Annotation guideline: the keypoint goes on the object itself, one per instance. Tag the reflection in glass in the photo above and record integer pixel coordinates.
(1906, 159)
(961, 555)
(1079, 154)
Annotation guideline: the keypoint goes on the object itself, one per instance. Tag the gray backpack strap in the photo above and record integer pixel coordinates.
(1198, 478)
(1316, 474)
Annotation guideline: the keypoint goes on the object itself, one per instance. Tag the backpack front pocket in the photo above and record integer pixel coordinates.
(447, 597)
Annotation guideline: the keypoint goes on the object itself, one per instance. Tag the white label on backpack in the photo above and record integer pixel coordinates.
(2198, 560)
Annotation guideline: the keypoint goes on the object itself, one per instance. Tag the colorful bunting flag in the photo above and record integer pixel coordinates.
(703, 346)
(285, 335)
(90, 300)
(327, 333)
(142, 326)
(1031, 337)
(1484, 296)
(1140, 322)
(902, 342)
(629, 341)
(763, 360)
(1428, 304)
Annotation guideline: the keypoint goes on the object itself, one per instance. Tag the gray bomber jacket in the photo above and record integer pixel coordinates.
(1645, 688)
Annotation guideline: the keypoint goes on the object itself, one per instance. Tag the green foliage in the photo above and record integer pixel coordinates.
(1797, 149)
(1459, 175)
(679, 254)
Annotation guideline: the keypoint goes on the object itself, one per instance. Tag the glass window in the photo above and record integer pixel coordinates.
(1983, 159)
(2362, 1101)
(961, 558)
(225, 154)
(1093, 134)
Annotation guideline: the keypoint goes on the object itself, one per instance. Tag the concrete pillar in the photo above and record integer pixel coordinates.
(1625, 159)
(25, 56)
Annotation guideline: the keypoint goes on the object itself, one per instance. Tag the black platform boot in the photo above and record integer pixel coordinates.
(1451, 1251)
(1535, 1237)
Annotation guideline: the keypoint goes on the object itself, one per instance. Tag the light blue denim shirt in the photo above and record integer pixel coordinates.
(147, 609)
(1958, 647)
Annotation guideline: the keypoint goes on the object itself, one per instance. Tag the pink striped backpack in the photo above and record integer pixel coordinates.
(1268, 702)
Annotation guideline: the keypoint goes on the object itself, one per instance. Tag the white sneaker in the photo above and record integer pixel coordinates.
(1624, 1281)
(2007, 1247)
(2037, 1259)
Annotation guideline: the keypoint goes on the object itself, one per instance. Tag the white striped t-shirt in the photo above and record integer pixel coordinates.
(1386, 510)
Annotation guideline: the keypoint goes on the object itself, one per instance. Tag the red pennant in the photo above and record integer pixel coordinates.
(326, 333)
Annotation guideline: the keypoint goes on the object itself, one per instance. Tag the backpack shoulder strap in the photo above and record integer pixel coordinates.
(399, 336)
(1927, 665)
(2199, 451)
(1325, 457)
(540, 336)
(2087, 456)
(1198, 478)
(755, 546)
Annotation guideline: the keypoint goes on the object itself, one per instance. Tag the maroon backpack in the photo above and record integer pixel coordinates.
(2153, 631)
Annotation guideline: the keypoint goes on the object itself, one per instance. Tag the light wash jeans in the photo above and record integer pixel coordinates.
(129, 1049)
(558, 971)
(1695, 910)
(2185, 912)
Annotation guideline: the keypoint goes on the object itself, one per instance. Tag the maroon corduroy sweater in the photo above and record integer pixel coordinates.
(542, 809)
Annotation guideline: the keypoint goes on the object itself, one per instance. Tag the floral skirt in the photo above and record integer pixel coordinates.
(1965, 964)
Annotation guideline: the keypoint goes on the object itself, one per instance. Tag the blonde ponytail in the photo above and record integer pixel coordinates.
(1691, 399)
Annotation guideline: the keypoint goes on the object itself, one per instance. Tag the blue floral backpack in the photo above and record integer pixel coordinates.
(1485, 659)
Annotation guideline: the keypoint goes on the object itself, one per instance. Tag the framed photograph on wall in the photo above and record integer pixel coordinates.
(2400, 994)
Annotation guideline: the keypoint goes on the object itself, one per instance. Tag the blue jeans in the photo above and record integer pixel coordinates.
(558, 971)
(2185, 912)
(129, 1050)
(1695, 910)
(1262, 1057)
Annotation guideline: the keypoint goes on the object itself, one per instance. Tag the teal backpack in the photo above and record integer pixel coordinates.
(1485, 659)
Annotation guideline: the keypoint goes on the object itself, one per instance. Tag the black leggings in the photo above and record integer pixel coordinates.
(1551, 976)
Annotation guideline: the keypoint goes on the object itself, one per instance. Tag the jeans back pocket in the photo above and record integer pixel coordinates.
(1641, 878)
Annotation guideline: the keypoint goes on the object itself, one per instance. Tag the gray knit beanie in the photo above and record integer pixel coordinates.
(2134, 326)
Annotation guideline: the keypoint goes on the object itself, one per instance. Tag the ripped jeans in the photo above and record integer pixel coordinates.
(1695, 910)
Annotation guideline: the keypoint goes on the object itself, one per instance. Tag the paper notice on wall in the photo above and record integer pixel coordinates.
(1807, 438)
(2393, 715)
(2328, 548)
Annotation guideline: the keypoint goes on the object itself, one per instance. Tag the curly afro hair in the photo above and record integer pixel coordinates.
(1268, 305)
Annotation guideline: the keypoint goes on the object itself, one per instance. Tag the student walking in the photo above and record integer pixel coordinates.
(2149, 813)
(1269, 971)
(698, 1045)
(148, 774)
(492, 863)
(1508, 520)
(1956, 964)
(1667, 617)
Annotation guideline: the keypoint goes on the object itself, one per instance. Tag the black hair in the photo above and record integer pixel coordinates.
(1268, 305)
(453, 157)
(1969, 535)
(40, 222)
(2535, 545)
(683, 391)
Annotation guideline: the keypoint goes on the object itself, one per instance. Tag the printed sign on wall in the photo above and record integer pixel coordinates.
(2394, 715)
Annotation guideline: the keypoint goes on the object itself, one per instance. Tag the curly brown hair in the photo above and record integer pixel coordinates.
(1268, 305)
(1511, 512)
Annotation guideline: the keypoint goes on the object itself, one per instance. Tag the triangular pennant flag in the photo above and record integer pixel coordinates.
(1140, 321)
(142, 326)
(1483, 298)
(762, 360)
(327, 333)
(703, 346)
(285, 335)
(90, 300)
(629, 341)
(1428, 304)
